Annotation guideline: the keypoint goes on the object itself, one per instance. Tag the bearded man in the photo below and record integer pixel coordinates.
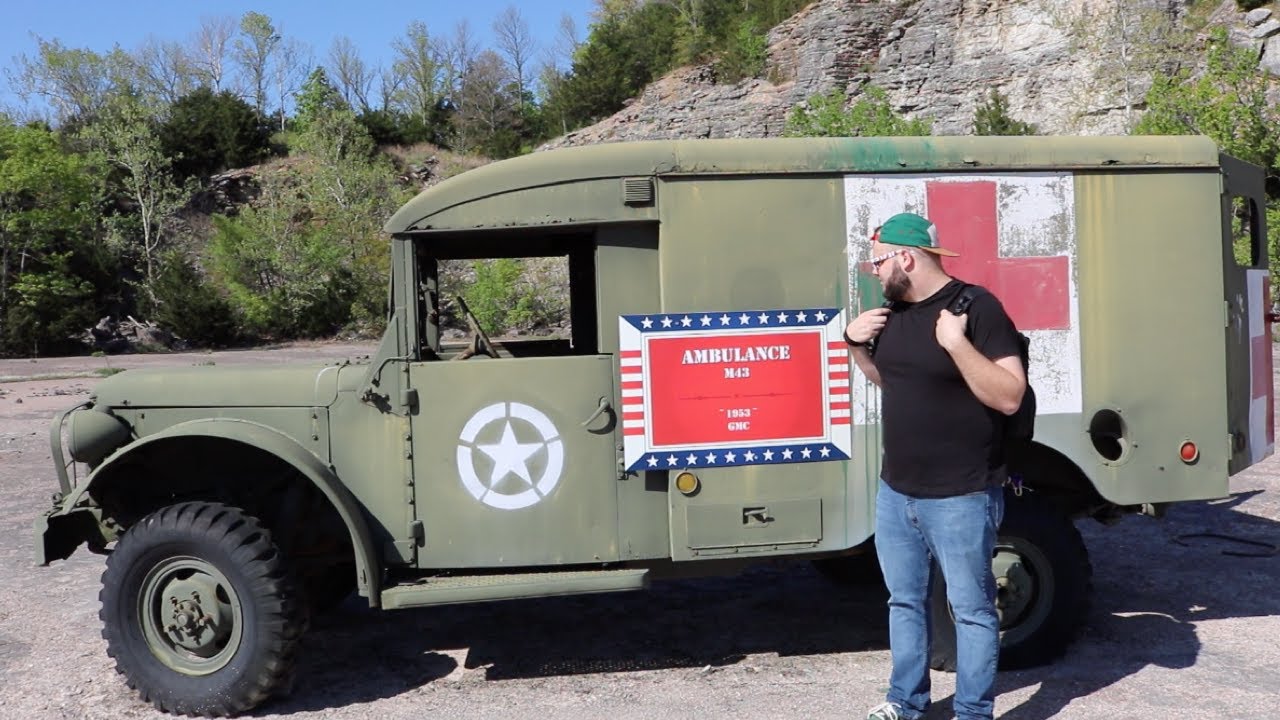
(947, 381)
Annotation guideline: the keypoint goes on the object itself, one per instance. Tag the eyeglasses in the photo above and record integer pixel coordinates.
(879, 260)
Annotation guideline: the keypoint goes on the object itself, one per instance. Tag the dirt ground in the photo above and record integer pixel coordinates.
(1182, 625)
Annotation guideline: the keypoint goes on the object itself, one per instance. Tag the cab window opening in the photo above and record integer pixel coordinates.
(537, 303)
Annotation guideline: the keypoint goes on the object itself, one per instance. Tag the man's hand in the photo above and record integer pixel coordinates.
(867, 325)
(950, 329)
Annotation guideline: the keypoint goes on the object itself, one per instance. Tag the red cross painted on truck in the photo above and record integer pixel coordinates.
(1035, 291)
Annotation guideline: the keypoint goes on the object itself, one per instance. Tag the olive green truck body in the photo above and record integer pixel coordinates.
(422, 476)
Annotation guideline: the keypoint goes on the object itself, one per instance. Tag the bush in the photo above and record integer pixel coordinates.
(183, 302)
(745, 56)
(1251, 4)
(992, 118)
(870, 115)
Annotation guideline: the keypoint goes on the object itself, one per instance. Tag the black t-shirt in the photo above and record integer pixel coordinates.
(939, 439)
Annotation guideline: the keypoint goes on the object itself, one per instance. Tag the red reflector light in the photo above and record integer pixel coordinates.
(1189, 452)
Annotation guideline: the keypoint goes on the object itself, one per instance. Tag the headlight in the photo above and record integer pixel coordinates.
(94, 435)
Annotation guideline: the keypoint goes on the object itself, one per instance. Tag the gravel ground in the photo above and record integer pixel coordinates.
(1181, 626)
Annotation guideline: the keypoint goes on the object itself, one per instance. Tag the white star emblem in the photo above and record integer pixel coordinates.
(786, 454)
(725, 319)
(666, 322)
(801, 317)
(711, 458)
(768, 455)
(672, 460)
(510, 457)
(825, 452)
(805, 453)
(782, 317)
(749, 456)
(744, 319)
(764, 319)
(685, 321)
(692, 459)
(706, 321)
(646, 323)
(730, 457)
(820, 316)
(653, 461)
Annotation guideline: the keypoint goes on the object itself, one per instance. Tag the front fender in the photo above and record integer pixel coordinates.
(75, 512)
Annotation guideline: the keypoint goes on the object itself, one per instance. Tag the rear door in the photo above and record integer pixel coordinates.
(515, 461)
(1246, 280)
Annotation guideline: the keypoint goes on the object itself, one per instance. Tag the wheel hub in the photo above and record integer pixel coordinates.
(198, 620)
(190, 615)
(1014, 586)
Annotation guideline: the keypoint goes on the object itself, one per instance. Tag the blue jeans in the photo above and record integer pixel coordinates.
(960, 532)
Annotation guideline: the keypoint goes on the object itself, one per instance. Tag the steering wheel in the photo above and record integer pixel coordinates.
(480, 343)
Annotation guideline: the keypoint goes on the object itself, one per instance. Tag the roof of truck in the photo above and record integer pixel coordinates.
(804, 156)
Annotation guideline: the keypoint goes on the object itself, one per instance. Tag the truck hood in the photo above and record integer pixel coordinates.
(249, 386)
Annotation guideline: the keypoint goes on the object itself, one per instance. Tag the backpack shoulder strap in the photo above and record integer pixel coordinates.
(963, 298)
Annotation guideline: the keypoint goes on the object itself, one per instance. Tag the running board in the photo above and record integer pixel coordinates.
(477, 588)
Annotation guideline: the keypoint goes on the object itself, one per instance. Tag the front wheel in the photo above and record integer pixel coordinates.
(199, 611)
(1043, 582)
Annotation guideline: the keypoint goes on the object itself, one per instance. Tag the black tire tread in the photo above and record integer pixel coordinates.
(268, 577)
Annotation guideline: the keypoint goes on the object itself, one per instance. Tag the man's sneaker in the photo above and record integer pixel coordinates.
(885, 711)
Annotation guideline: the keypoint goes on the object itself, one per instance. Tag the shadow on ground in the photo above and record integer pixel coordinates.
(1154, 580)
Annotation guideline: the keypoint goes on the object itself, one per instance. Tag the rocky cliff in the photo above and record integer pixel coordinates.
(1068, 66)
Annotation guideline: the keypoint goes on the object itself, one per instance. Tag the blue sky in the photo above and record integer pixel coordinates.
(371, 24)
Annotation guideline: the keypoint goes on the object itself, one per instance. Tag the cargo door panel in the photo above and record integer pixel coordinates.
(515, 461)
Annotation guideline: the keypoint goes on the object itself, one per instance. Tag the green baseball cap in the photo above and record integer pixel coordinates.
(911, 230)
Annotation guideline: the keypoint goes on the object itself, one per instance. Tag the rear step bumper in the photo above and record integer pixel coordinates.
(476, 588)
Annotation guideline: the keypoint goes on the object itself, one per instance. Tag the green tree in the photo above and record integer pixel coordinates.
(745, 56)
(75, 82)
(51, 305)
(124, 138)
(992, 118)
(47, 241)
(1227, 102)
(624, 52)
(423, 72)
(282, 279)
(870, 115)
(253, 51)
(309, 257)
(206, 133)
(318, 97)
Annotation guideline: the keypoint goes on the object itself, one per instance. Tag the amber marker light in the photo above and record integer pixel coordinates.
(687, 483)
(1189, 452)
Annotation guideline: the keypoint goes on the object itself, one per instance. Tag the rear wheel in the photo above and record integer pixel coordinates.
(1043, 583)
(199, 610)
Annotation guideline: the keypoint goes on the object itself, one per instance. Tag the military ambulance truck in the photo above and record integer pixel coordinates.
(701, 412)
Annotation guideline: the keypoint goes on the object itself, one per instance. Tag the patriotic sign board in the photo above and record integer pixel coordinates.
(719, 389)
(1016, 236)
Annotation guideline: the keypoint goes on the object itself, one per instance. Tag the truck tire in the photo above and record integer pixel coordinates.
(1043, 585)
(199, 611)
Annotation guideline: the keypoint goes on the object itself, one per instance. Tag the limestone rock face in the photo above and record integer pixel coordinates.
(1063, 65)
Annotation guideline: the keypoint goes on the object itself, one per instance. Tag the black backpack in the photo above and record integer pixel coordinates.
(1021, 425)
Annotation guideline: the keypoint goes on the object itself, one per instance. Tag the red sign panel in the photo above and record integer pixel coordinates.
(734, 388)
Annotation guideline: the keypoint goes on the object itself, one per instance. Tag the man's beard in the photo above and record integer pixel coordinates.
(897, 286)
